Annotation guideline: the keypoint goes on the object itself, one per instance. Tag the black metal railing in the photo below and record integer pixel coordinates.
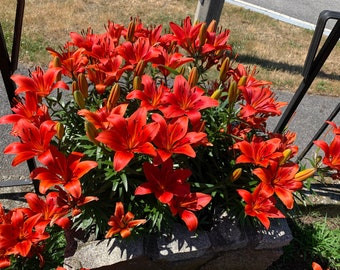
(313, 63)
(8, 65)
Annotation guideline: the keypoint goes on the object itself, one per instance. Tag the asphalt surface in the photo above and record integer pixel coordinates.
(309, 116)
(303, 13)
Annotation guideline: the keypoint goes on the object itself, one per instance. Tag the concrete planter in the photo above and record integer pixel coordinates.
(225, 246)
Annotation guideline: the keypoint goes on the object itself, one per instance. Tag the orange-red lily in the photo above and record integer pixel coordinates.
(260, 206)
(174, 138)
(258, 152)
(164, 181)
(129, 136)
(186, 101)
(42, 83)
(122, 223)
(280, 180)
(62, 170)
(34, 141)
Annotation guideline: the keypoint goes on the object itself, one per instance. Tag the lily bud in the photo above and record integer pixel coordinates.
(57, 63)
(212, 26)
(137, 83)
(140, 68)
(79, 99)
(60, 130)
(181, 70)
(91, 132)
(242, 81)
(74, 86)
(318, 159)
(217, 94)
(83, 85)
(286, 155)
(233, 92)
(236, 174)
(224, 69)
(113, 97)
(193, 77)
(131, 31)
(303, 175)
(203, 34)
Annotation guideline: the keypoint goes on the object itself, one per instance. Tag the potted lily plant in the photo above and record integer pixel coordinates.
(134, 130)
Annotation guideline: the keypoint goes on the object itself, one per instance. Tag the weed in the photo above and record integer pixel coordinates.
(311, 242)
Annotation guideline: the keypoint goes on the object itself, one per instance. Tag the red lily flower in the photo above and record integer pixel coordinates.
(186, 205)
(316, 266)
(336, 129)
(164, 181)
(171, 60)
(174, 138)
(260, 206)
(50, 212)
(259, 101)
(186, 101)
(140, 50)
(280, 180)
(122, 223)
(100, 118)
(111, 69)
(67, 202)
(85, 41)
(34, 141)
(72, 62)
(129, 136)
(5, 260)
(40, 83)
(62, 170)
(29, 110)
(186, 35)
(151, 96)
(18, 237)
(258, 152)
(332, 152)
(114, 31)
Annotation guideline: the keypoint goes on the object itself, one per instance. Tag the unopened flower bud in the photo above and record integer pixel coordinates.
(285, 156)
(79, 99)
(224, 69)
(212, 26)
(113, 97)
(193, 77)
(303, 175)
(203, 34)
(318, 159)
(139, 70)
(131, 31)
(60, 130)
(217, 94)
(181, 70)
(242, 81)
(83, 85)
(233, 92)
(137, 83)
(236, 174)
(57, 63)
(74, 86)
(91, 132)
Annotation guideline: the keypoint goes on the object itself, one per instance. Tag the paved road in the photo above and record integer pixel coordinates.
(302, 12)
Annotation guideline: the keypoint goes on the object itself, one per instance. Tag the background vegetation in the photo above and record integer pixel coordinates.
(277, 48)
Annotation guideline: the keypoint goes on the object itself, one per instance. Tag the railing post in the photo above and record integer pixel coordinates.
(208, 10)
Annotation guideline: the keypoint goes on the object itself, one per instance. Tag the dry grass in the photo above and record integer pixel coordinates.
(278, 49)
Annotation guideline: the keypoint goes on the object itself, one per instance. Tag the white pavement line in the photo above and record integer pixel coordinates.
(275, 15)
